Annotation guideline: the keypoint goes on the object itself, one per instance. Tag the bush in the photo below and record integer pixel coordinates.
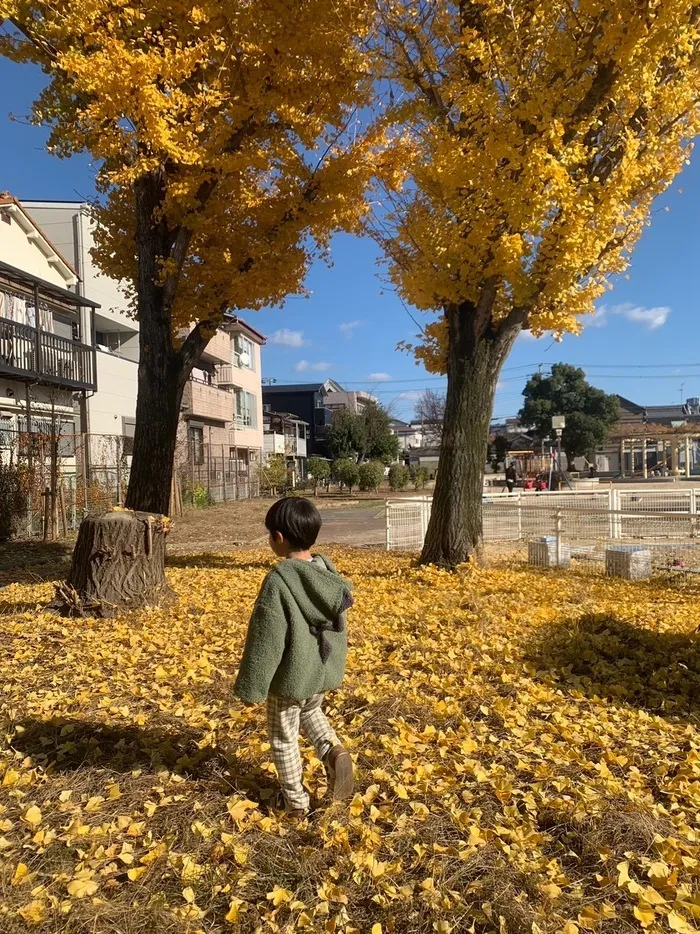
(346, 472)
(319, 471)
(274, 475)
(200, 497)
(371, 475)
(420, 477)
(13, 503)
(398, 477)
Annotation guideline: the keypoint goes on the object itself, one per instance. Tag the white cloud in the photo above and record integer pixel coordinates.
(598, 319)
(286, 338)
(304, 365)
(348, 328)
(379, 377)
(412, 395)
(649, 318)
(527, 336)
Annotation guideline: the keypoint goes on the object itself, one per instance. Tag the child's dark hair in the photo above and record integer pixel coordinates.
(296, 519)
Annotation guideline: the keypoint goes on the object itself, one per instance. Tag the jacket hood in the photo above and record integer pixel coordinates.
(318, 590)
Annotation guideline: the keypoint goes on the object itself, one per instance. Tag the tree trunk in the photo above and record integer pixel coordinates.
(474, 360)
(118, 564)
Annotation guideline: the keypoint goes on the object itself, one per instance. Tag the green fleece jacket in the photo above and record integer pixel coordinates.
(297, 641)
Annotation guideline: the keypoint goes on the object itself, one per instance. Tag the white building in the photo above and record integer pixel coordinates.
(112, 409)
(356, 401)
(410, 435)
(47, 350)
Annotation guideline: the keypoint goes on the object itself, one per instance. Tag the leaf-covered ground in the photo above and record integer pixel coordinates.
(527, 747)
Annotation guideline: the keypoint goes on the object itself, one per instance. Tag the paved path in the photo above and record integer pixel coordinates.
(359, 525)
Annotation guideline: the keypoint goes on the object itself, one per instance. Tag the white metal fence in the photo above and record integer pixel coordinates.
(667, 521)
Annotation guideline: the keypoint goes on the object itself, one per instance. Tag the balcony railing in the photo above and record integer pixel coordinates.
(29, 352)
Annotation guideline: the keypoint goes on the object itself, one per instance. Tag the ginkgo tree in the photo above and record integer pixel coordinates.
(226, 152)
(535, 136)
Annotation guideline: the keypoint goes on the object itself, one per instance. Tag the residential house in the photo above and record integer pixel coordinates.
(314, 403)
(112, 409)
(410, 434)
(47, 332)
(222, 406)
(285, 433)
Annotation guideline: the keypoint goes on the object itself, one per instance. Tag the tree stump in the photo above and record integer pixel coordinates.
(118, 565)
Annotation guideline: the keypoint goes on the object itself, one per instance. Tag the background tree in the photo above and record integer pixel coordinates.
(534, 137)
(590, 412)
(346, 435)
(430, 412)
(219, 133)
(362, 435)
(381, 442)
(274, 476)
(319, 471)
(346, 472)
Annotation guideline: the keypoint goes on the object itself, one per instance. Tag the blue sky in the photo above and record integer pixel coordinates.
(643, 342)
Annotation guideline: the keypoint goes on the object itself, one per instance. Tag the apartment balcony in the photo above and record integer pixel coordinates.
(218, 350)
(31, 353)
(201, 400)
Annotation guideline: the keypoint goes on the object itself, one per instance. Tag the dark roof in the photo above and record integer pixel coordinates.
(231, 319)
(298, 387)
(521, 443)
(20, 277)
(288, 415)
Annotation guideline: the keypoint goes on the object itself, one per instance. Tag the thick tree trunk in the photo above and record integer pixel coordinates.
(474, 360)
(118, 564)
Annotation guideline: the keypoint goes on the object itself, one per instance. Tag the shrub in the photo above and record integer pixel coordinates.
(371, 475)
(346, 472)
(201, 497)
(274, 475)
(319, 471)
(398, 477)
(420, 477)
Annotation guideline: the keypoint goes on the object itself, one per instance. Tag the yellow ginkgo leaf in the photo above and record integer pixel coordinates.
(357, 806)
(279, 896)
(135, 873)
(82, 887)
(234, 911)
(34, 912)
(678, 923)
(644, 913)
(376, 928)
(21, 874)
(32, 816)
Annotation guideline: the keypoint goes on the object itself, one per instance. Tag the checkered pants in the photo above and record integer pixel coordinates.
(284, 720)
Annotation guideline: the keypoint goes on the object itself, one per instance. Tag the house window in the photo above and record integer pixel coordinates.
(246, 409)
(243, 352)
(302, 432)
(128, 432)
(196, 439)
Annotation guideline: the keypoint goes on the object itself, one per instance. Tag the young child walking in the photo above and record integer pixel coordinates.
(295, 652)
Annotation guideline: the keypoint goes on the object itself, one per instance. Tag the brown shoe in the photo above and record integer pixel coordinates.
(293, 813)
(339, 768)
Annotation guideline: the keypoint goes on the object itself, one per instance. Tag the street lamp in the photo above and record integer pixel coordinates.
(558, 424)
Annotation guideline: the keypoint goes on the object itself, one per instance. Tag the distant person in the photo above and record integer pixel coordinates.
(295, 652)
(511, 477)
(592, 471)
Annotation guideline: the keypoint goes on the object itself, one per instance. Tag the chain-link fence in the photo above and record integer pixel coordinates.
(588, 526)
(51, 479)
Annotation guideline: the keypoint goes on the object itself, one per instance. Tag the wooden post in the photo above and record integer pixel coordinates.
(622, 457)
(223, 473)
(47, 512)
(119, 470)
(54, 474)
(62, 504)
